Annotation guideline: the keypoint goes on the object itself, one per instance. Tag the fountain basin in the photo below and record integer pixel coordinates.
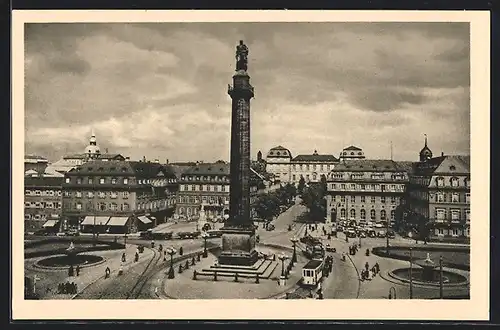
(428, 277)
(62, 262)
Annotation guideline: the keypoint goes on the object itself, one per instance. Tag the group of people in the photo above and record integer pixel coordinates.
(328, 265)
(353, 249)
(71, 271)
(369, 273)
(67, 288)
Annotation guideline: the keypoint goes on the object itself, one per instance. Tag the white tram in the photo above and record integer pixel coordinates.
(312, 273)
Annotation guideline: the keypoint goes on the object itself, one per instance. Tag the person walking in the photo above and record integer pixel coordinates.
(77, 270)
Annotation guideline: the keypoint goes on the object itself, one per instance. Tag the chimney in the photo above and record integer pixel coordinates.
(442, 153)
(107, 150)
(157, 161)
(127, 159)
(167, 161)
(144, 159)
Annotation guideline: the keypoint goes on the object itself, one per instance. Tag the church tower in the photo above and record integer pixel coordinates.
(425, 153)
(92, 150)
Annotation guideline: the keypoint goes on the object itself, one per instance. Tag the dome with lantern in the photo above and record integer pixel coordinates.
(92, 150)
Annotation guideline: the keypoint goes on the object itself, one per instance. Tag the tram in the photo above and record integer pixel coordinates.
(312, 272)
(314, 249)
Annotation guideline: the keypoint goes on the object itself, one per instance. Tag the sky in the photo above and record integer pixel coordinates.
(159, 90)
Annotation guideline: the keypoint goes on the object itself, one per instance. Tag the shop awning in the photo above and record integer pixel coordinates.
(118, 221)
(144, 219)
(91, 220)
(49, 223)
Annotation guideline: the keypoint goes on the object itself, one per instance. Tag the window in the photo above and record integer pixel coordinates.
(440, 182)
(383, 215)
(393, 215)
(455, 198)
(68, 180)
(363, 214)
(113, 180)
(67, 194)
(353, 199)
(125, 207)
(372, 200)
(353, 186)
(467, 214)
(78, 206)
(114, 206)
(307, 177)
(372, 214)
(352, 214)
(454, 232)
(342, 199)
(102, 194)
(342, 186)
(307, 167)
(101, 181)
(314, 176)
(327, 167)
(363, 199)
(78, 194)
(79, 181)
(455, 214)
(467, 183)
(440, 214)
(362, 187)
(342, 213)
(314, 167)
(204, 199)
(440, 197)
(113, 194)
(393, 200)
(467, 198)
(439, 231)
(90, 181)
(293, 177)
(382, 199)
(125, 180)
(322, 168)
(454, 182)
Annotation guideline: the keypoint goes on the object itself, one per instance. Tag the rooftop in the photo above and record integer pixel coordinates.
(369, 165)
(353, 148)
(46, 181)
(315, 158)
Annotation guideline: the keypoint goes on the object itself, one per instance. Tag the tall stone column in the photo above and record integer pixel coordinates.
(238, 239)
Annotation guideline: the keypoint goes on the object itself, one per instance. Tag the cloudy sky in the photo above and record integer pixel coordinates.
(160, 90)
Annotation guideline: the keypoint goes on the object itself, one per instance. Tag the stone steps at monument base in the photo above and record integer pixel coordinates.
(257, 265)
(265, 271)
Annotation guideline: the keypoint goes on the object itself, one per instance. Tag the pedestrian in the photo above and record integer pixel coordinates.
(367, 266)
(152, 244)
(107, 272)
(71, 271)
(377, 267)
(136, 257)
(66, 288)
(60, 288)
(181, 252)
(77, 270)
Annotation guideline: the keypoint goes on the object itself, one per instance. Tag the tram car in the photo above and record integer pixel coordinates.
(314, 250)
(312, 273)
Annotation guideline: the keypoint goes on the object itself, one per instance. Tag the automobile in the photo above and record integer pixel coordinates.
(270, 227)
(372, 233)
(214, 233)
(72, 232)
(206, 227)
(362, 234)
(379, 225)
(381, 234)
(350, 233)
(391, 234)
(330, 248)
(61, 234)
(283, 208)
(340, 229)
(370, 224)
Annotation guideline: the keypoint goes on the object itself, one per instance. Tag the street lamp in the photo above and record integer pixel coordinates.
(125, 240)
(282, 257)
(204, 235)
(171, 251)
(387, 238)
(441, 277)
(294, 241)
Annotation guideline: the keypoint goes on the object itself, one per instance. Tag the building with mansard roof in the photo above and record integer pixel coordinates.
(351, 153)
(311, 167)
(365, 190)
(119, 196)
(42, 202)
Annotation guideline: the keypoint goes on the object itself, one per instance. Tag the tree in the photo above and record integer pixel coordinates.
(267, 206)
(302, 184)
(313, 197)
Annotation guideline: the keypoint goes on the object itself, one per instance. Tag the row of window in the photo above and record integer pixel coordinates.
(362, 199)
(204, 187)
(366, 187)
(29, 192)
(41, 216)
(441, 214)
(368, 175)
(455, 232)
(362, 214)
(100, 206)
(103, 180)
(307, 177)
(314, 167)
(100, 194)
(205, 178)
(442, 197)
(203, 199)
(161, 204)
(453, 182)
(42, 205)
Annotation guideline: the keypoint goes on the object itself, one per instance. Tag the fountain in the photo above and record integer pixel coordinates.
(72, 257)
(427, 274)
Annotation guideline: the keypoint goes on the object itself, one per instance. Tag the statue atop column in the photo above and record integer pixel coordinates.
(241, 56)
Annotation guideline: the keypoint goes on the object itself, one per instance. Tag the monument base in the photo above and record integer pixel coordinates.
(238, 247)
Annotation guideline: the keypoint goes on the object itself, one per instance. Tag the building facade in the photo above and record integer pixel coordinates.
(278, 161)
(114, 194)
(365, 190)
(42, 202)
(311, 167)
(35, 164)
(206, 186)
(439, 193)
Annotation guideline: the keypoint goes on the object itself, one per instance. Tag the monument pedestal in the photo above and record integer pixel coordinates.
(238, 247)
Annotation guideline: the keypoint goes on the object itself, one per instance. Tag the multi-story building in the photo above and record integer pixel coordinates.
(42, 202)
(439, 193)
(206, 186)
(351, 153)
(278, 163)
(311, 167)
(365, 190)
(115, 196)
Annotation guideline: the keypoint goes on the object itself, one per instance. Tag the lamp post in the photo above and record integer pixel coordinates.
(204, 235)
(171, 251)
(125, 240)
(294, 241)
(387, 239)
(411, 273)
(282, 257)
(441, 277)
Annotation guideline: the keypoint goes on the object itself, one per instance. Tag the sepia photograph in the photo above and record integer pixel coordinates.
(239, 160)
